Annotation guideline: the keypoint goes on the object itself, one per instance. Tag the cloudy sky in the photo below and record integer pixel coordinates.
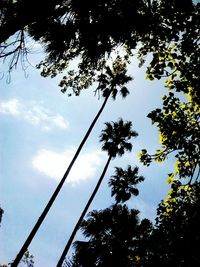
(40, 131)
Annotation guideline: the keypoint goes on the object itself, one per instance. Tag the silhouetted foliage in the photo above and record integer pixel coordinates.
(27, 261)
(115, 136)
(115, 234)
(93, 29)
(179, 126)
(117, 238)
(110, 79)
(123, 183)
(178, 120)
(175, 240)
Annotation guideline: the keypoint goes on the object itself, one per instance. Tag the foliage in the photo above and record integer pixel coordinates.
(154, 25)
(68, 28)
(117, 238)
(175, 239)
(123, 183)
(110, 79)
(177, 59)
(115, 137)
(110, 232)
(15, 18)
(179, 126)
(115, 234)
(27, 261)
(91, 29)
(90, 32)
(175, 54)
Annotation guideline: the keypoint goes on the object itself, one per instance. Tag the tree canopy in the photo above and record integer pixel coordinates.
(93, 29)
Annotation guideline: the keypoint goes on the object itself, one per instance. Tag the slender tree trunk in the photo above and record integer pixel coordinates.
(57, 190)
(67, 247)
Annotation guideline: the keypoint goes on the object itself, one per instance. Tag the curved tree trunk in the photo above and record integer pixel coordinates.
(67, 247)
(57, 190)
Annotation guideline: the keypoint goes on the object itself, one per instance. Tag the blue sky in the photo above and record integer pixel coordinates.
(40, 130)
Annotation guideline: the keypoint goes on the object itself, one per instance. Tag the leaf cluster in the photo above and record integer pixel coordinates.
(115, 137)
(179, 127)
(110, 79)
(175, 239)
(123, 183)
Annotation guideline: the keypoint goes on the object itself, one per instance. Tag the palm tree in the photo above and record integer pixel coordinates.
(123, 183)
(110, 83)
(110, 232)
(116, 236)
(115, 138)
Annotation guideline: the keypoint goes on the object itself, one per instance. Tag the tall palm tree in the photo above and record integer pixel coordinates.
(110, 82)
(115, 138)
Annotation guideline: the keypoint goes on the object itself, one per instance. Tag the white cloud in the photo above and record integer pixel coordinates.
(10, 107)
(33, 113)
(54, 164)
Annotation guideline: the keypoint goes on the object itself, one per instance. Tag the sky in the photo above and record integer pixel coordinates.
(40, 129)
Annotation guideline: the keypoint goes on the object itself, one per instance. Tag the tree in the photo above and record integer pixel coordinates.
(115, 138)
(115, 233)
(178, 121)
(109, 84)
(175, 239)
(111, 232)
(179, 126)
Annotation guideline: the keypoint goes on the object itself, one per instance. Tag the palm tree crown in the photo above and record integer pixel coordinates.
(115, 137)
(123, 183)
(114, 79)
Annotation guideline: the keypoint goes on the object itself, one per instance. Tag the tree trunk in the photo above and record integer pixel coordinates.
(66, 249)
(57, 190)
